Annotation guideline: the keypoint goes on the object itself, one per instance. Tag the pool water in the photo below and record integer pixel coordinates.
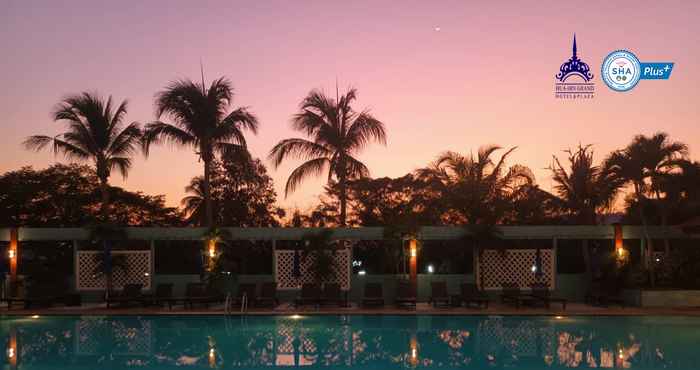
(352, 342)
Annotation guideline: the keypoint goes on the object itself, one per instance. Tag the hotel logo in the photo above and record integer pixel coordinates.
(574, 80)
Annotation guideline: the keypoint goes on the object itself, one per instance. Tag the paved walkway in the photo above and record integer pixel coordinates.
(421, 309)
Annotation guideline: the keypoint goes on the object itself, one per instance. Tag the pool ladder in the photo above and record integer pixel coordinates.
(229, 303)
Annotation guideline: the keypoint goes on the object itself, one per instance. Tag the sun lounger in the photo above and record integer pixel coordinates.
(163, 295)
(198, 293)
(600, 296)
(374, 295)
(470, 294)
(130, 293)
(268, 295)
(405, 295)
(438, 294)
(310, 294)
(510, 293)
(37, 296)
(541, 292)
(332, 295)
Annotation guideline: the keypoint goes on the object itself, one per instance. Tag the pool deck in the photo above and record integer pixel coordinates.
(572, 309)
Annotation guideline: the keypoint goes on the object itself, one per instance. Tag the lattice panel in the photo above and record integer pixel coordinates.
(518, 338)
(285, 266)
(134, 337)
(138, 270)
(515, 266)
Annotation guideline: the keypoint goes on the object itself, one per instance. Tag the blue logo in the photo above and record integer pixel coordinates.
(574, 78)
(622, 70)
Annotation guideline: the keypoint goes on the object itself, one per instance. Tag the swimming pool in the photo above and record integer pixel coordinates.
(353, 342)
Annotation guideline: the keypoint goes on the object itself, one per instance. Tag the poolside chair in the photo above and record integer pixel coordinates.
(198, 293)
(41, 295)
(511, 293)
(268, 295)
(374, 295)
(332, 294)
(130, 293)
(470, 294)
(541, 292)
(438, 294)
(163, 295)
(247, 290)
(600, 295)
(310, 294)
(405, 295)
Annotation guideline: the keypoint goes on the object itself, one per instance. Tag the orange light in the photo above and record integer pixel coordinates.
(414, 250)
(12, 349)
(212, 248)
(414, 351)
(13, 253)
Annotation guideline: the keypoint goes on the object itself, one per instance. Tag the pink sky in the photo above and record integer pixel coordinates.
(485, 78)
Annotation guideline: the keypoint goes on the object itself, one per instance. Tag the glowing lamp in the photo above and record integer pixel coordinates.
(619, 247)
(12, 254)
(212, 248)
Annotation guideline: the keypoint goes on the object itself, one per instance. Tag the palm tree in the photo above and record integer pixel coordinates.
(477, 189)
(95, 132)
(584, 189)
(193, 204)
(644, 163)
(200, 120)
(338, 133)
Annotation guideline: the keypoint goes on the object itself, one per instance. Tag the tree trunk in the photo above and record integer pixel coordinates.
(104, 206)
(342, 182)
(650, 245)
(208, 211)
(587, 261)
(664, 222)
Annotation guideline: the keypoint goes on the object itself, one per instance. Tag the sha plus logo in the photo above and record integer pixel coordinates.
(574, 80)
(622, 70)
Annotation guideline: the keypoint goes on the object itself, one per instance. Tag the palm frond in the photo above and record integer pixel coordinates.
(314, 167)
(364, 129)
(38, 142)
(122, 164)
(230, 128)
(355, 168)
(317, 101)
(297, 148)
(126, 141)
(158, 132)
(234, 152)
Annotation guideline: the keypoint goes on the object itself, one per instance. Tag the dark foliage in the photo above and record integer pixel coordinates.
(69, 196)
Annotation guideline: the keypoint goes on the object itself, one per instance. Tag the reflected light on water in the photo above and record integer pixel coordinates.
(347, 342)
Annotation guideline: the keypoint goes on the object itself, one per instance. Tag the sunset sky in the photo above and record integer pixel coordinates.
(442, 75)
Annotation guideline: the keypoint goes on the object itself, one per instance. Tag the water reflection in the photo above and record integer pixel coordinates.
(349, 342)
